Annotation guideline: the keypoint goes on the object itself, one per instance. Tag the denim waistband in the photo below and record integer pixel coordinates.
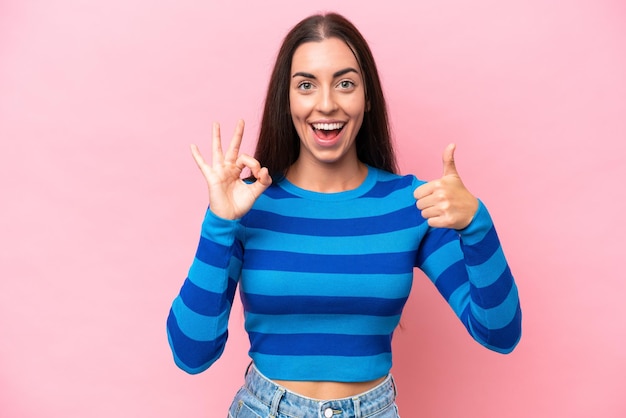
(281, 400)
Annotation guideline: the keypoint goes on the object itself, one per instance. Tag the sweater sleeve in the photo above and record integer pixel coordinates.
(470, 271)
(197, 325)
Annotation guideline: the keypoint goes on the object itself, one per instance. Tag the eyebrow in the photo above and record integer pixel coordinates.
(335, 75)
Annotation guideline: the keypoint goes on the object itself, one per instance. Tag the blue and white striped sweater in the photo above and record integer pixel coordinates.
(324, 278)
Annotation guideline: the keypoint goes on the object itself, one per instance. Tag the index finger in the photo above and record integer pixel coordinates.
(423, 191)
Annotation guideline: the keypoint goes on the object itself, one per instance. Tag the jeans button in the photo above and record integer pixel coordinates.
(328, 412)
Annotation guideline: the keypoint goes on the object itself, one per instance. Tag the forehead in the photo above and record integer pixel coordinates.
(329, 54)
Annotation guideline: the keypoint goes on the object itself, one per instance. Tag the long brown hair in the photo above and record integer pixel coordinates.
(278, 145)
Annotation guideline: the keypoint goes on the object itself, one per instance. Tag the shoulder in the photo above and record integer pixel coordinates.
(391, 181)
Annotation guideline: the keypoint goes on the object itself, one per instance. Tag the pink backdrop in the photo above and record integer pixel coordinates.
(101, 201)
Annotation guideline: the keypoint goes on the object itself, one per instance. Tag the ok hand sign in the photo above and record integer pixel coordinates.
(445, 202)
(231, 197)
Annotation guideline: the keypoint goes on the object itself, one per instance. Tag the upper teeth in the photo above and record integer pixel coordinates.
(328, 126)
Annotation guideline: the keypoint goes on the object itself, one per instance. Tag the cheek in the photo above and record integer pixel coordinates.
(355, 107)
(296, 109)
(357, 113)
(297, 119)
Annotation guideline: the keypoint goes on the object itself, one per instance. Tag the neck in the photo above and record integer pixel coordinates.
(327, 178)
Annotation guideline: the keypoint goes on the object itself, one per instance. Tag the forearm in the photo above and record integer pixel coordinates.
(470, 271)
(494, 316)
(198, 319)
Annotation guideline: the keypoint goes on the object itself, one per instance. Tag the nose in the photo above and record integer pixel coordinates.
(326, 102)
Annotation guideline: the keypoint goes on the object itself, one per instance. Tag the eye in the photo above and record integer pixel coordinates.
(346, 84)
(305, 85)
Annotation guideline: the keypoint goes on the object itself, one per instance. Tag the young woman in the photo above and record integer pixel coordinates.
(323, 238)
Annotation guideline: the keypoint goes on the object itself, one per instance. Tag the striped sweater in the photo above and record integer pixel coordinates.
(323, 279)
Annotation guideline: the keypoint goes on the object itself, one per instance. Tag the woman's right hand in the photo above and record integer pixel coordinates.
(230, 197)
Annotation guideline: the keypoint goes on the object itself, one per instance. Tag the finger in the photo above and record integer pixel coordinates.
(424, 203)
(431, 213)
(263, 181)
(235, 142)
(423, 191)
(262, 175)
(195, 152)
(218, 155)
(259, 173)
(437, 222)
(449, 167)
(245, 160)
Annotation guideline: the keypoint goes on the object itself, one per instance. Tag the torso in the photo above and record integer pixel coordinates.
(328, 390)
(324, 278)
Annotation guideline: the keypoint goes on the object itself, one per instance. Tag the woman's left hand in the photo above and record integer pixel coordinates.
(446, 202)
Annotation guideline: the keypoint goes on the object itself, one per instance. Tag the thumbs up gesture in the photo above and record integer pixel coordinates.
(446, 203)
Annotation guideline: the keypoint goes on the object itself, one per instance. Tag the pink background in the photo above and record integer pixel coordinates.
(101, 201)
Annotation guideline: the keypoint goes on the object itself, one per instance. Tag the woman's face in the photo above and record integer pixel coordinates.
(327, 101)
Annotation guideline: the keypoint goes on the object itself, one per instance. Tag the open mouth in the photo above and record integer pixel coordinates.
(327, 130)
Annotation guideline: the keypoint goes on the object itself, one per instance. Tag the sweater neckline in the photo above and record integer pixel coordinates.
(364, 187)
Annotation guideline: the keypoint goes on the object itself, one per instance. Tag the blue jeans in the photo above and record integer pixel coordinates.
(261, 398)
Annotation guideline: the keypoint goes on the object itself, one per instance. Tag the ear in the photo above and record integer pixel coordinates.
(368, 106)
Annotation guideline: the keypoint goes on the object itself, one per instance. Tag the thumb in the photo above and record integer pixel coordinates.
(449, 168)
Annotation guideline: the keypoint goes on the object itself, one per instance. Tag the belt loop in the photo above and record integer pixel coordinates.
(278, 395)
(357, 407)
